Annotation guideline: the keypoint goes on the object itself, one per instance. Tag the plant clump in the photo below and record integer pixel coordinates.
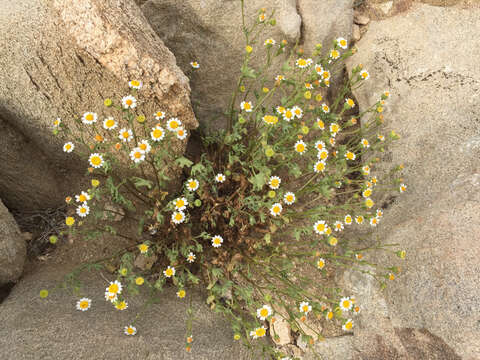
(266, 212)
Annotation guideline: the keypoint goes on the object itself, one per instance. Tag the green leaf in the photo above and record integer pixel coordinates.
(257, 181)
(183, 161)
(248, 72)
(139, 182)
(197, 168)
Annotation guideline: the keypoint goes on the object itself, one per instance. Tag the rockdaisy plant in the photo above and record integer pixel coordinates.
(264, 218)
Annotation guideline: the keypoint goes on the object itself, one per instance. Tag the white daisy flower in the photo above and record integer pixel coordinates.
(342, 42)
(121, 305)
(322, 155)
(338, 225)
(217, 241)
(350, 103)
(274, 182)
(334, 54)
(320, 227)
(178, 217)
(246, 106)
(305, 307)
(83, 197)
(402, 188)
(288, 114)
(320, 263)
(264, 312)
(115, 287)
(279, 78)
(334, 129)
(109, 123)
(110, 296)
(303, 63)
(144, 145)
(135, 84)
(325, 108)
(181, 133)
(276, 209)
(348, 326)
(319, 166)
(57, 122)
(89, 118)
(159, 115)
(194, 64)
(157, 133)
(84, 304)
(297, 112)
(359, 219)
(180, 203)
(191, 257)
(125, 135)
(345, 304)
(320, 145)
(365, 143)
(366, 170)
(169, 272)
(173, 124)
(289, 198)
(258, 332)
(348, 219)
(319, 69)
(130, 330)
(374, 221)
(68, 147)
(129, 102)
(96, 160)
(364, 74)
(270, 42)
(300, 146)
(192, 184)
(220, 178)
(83, 210)
(137, 155)
(350, 155)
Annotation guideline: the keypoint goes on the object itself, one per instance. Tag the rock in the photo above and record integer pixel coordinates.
(280, 331)
(144, 262)
(210, 32)
(385, 7)
(427, 312)
(51, 328)
(12, 248)
(360, 19)
(60, 59)
(356, 34)
(325, 21)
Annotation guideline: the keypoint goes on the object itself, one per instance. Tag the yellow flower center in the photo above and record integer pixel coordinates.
(247, 106)
(143, 247)
(302, 62)
(321, 227)
(109, 123)
(276, 209)
(346, 304)
(83, 304)
(83, 210)
(320, 166)
(137, 154)
(321, 124)
(264, 313)
(178, 216)
(69, 221)
(135, 83)
(349, 155)
(96, 160)
(364, 75)
(113, 288)
(181, 294)
(274, 183)
(369, 203)
(159, 114)
(192, 184)
(289, 198)
(335, 54)
(348, 326)
(260, 332)
(143, 147)
(330, 315)
(173, 124)
(320, 264)
(68, 146)
(129, 102)
(180, 203)
(130, 330)
(121, 305)
(343, 42)
(326, 74)
(180, 132)
(335, 128)
(305, 308)
(300, 148)
(169, 272)
(89, 117)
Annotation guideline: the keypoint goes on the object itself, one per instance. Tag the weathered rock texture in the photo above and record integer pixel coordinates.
(210, 32)
(429, 311)
(51, 328)
(12, 248)
(61, 59)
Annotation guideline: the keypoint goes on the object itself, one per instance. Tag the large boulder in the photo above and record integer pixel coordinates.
(51, 328)
(63, 58)
(428, 59)
(210, 32)
(12, 248)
